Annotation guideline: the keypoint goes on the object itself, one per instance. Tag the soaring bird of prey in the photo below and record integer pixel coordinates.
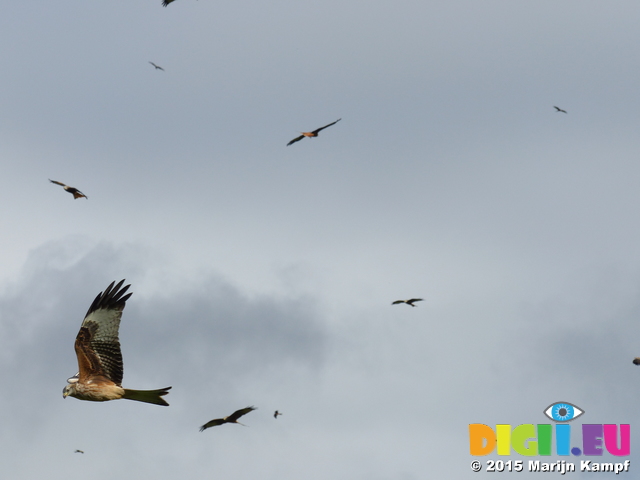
(636, 361)
(78, 451)
(233, 418)
(158, 67)
(166, 2)
(99, 378)
(408, 302)
(73, 191)
(311, 134)
(275, 414)
(558, 109)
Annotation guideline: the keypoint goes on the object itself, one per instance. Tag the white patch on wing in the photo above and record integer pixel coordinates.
(104, 324)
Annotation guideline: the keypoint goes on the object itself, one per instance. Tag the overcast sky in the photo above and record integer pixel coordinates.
(264, 274)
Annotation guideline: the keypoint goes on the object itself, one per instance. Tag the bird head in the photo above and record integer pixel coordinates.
(69, 390)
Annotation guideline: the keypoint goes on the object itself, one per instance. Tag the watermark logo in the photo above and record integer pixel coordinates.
(530, 440)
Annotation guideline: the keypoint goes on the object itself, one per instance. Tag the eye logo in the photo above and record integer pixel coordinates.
(562, 412)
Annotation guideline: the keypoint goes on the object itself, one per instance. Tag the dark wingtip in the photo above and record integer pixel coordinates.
(111, 297)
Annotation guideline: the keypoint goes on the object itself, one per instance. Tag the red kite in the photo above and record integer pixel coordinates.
(158, 67)
(311, 134)
(275, 414)
(233, 418)
(558, 109)
(166, 2)
(99, 357)
(408, 302)
(73, 191)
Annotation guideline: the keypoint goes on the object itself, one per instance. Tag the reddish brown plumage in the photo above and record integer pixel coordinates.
(100, 366)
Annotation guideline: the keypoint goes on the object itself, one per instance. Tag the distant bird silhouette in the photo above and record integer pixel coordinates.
(408, 302)
(233, 418)
(636, 361)
(157, 66)
(559, 109)
(275, 414)
(73, 191)
(311, 134)
(167, 2)
(78, 451)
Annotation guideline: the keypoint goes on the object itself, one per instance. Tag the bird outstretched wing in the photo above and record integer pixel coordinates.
(166, 2)
(57, 183)
(238, 413)
(97, 345)
(212, 423)
(322, 128)
(297, 139)
(76, 193)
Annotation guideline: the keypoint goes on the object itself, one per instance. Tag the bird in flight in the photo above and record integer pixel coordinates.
(636, 361)
(275, 414)
(558, 109)
(78, 451)
(73, 191)
(233, 418)
(408, 302)
(166, 2)
(158, 67)
(97, 346)
(311, 134)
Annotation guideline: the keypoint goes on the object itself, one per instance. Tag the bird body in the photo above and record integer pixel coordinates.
(73, 191)
(158, 67)
(636, 361)
(99, 377)
(233, 418)
(558, 109)
(311, 134)
(275, 414)
(166, 2)
(408, 302)
(78, 451)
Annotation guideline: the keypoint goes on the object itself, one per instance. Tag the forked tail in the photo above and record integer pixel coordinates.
(147, 396)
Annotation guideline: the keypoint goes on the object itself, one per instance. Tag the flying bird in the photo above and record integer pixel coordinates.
(558, 109)
(73, 191)
(275, 414)
(97, 346)
(78, 451)
(166, 2)
(408, 302)
(636, 361)
(158, 67)
(311, 134)
(233, 418)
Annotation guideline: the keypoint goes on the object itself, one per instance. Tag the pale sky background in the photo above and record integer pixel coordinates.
(264, 274)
